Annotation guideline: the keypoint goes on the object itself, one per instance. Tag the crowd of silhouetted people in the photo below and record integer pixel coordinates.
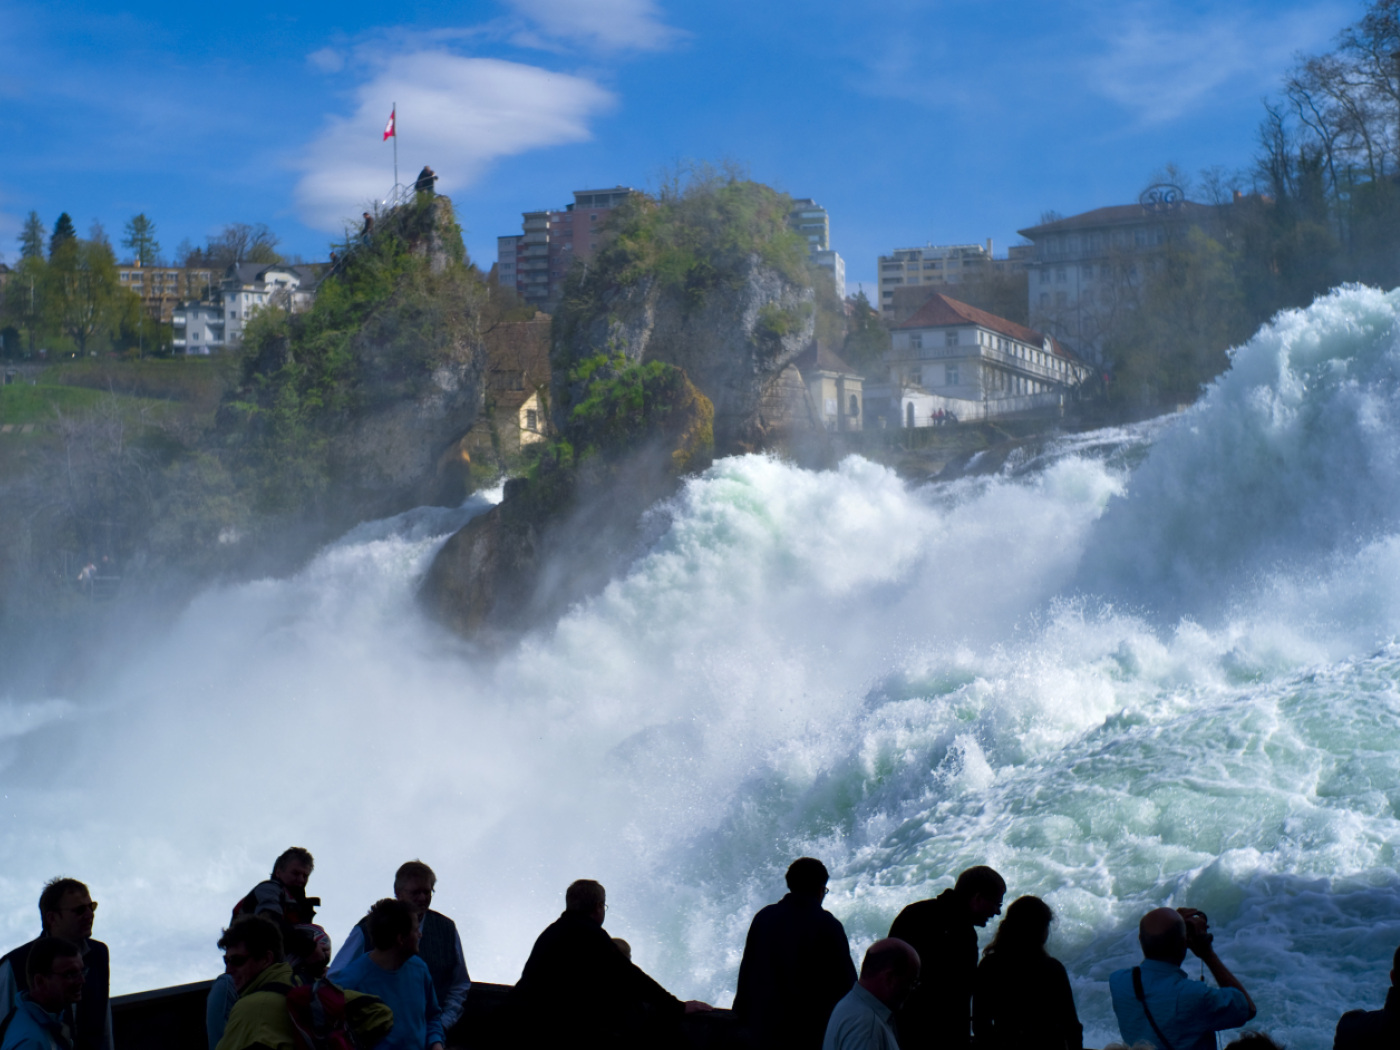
(400, 980)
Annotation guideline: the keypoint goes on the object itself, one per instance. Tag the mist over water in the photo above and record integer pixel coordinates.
(1123, 681)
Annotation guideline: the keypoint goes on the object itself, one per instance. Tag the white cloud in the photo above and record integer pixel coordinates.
(457, 114)
(327, 60)
(614, 24)
(1159, 64)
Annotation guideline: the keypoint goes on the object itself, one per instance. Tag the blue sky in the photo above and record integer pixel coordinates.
(912, 121)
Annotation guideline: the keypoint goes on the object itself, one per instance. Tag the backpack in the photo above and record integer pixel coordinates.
(318, 1016)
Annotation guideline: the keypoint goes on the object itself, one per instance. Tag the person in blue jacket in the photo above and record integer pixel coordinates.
(55, 972)
(393, 971)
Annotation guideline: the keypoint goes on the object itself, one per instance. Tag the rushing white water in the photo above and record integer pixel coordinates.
(1120, 684)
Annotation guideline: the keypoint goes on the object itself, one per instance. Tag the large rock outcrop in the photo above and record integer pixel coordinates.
(359, 407)
(734, 345)
(563, 531)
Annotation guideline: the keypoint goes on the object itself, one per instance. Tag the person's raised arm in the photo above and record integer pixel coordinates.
(1201, 942)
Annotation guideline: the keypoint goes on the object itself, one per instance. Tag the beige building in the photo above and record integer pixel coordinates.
(834, 388)
(941, 267)
(163, 288)
(954, 359)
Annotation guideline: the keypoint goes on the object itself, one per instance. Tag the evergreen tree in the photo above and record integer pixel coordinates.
(141, 240)
(31, 238)
(63, 232)
(867, 338)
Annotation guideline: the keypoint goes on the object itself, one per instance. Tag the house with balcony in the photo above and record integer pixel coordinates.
(952, 359)
(217, 322)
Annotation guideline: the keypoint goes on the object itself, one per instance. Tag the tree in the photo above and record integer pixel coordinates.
(25, 299)
(31, 238)
(63, 232)
(867, 338)
(141, 240)
(84, 289)
(242, 242)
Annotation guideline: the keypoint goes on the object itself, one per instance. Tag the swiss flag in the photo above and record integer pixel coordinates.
(389, 127)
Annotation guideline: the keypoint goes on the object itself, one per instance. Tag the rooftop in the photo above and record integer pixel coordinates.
(940, 311)
(1118, 215)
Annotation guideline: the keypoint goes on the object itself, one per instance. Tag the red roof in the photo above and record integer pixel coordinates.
(939, 311)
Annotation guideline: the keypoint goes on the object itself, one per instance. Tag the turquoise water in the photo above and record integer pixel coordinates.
(1150, 665)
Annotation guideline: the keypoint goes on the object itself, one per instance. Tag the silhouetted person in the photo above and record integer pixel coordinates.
(393, 972)
(1373, 1029)
(1156, 1003)
(440, 946)
(368, 227)
(54, 973)
(255, 963)
(623, 947)
(943, 930)
(861, 1019)
(425, 181)
(67, 911)
(1022, 999)
(253, 957)
(796, 966)
(282, 899)
(578, 990)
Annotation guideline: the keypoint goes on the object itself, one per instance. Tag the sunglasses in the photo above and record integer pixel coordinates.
(235, 961)
(90, 906)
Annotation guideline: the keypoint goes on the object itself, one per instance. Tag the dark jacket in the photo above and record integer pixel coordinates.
(938, 1013)
(578, 990)
(1024, 1002)
(1370, 1029)
(92, 1027)
(796, 967)
(286, 906)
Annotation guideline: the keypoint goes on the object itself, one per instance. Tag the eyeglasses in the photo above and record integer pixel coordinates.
(80, 909)
(235, 961)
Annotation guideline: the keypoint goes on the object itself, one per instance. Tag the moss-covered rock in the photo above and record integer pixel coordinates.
(709, 279)
(634, 431)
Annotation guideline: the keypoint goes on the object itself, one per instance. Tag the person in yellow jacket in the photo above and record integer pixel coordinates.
(260, 1019)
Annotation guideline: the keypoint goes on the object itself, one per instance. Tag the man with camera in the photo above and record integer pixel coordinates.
(1157, 1004)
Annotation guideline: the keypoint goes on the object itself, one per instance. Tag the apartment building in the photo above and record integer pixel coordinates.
(941, 265)
(536, 261)
(163, 288)
(811, 221)
(1084, 270)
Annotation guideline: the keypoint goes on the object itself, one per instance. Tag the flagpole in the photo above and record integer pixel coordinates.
(395, 112)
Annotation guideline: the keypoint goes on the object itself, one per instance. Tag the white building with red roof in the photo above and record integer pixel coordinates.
(950, 358)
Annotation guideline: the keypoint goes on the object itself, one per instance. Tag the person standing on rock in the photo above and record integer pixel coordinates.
(426, 178)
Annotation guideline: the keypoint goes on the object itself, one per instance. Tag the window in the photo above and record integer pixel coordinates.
(950, 375)
(1060, 275)
(855, 405)
(532, 419)
(1044, 276)
(1088, 270)
(916, 340)
(950, 339)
